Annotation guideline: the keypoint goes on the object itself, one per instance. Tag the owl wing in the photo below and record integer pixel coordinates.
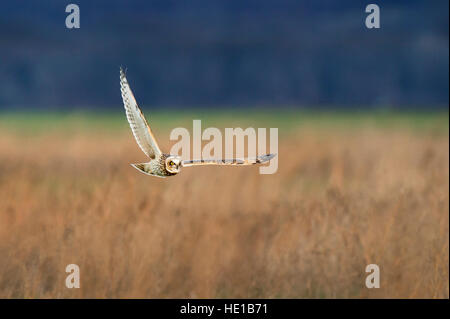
(141, 130)
(235, 161)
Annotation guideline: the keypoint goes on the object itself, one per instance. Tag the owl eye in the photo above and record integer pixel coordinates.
(171, 163)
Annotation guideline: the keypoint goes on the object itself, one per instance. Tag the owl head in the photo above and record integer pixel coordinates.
(173, 164)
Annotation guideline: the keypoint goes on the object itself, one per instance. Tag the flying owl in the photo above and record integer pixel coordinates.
(161, 164)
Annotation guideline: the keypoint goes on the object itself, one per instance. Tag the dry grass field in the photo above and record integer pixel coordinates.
(349, 191)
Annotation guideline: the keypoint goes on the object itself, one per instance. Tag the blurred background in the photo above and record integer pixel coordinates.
(363, 152)
(225, 53)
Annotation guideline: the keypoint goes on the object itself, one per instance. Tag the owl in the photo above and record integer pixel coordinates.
(161, 164)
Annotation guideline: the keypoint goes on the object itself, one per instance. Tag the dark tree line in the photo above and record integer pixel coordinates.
(216, 53)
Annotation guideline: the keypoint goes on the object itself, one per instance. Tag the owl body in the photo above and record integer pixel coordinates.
(163, 165)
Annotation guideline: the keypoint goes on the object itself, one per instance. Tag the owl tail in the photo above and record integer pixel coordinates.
(141, 167)
(145, 168)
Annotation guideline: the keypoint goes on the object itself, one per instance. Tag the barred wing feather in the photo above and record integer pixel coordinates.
(141, 130)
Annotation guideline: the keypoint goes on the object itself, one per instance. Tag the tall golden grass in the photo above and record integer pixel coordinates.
(341, 199)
